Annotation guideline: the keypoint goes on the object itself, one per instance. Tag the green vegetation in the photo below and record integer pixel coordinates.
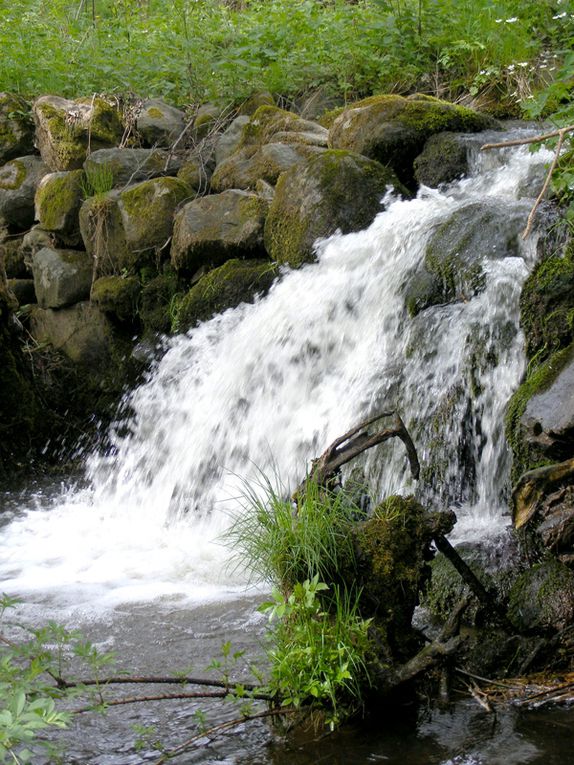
(189, 51)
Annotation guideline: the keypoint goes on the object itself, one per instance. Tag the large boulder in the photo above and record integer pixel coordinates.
(336, 190)
(67, 130)
(393, 129)
(159, 124)
(250, 164)
(19, 180)
(61, 277)
(542, 598)
(16, 127)
(128, 166)
(125, 230)
(269, 122)
(57, 203)
(453, 266)
(235, 282)
(216, 228)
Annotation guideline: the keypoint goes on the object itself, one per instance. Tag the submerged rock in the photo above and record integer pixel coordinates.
(335, 191)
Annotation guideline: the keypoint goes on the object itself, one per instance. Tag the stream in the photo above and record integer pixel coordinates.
(132, 551)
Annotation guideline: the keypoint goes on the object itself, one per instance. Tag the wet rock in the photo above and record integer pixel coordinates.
(216, 228)
(61, 277)
(19, 180)
(16, 127)
(393, 129)
(117, 295)
(542, 598)
(66, 130)
(443, 160)
(336, 190)
(128, 166)
(159, 124)
(235, 282)
(57, 203)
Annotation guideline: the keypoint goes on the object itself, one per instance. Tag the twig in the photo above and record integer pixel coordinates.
(172, 697)
(183, 747)
(479, 696)
(560, 133)
(159, 679)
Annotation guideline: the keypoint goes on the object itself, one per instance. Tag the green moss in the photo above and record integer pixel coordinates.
(58, 200)
(266, 121)
(542, 597)
(13, 175)
(154, 113)
(526, 456)
(155, 301)
(235, 282)
(117, 295)
(67, 144)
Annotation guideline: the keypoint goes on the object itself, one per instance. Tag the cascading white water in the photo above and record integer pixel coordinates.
(265, 387)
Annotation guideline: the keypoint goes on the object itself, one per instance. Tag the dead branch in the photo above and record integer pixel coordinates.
(354, 442)
(560, 133)
(172, 697)
(156, 680)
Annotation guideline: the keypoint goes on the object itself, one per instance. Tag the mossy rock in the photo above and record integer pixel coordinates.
(57, 203)
(267, 121)
(103, 234)
(12, 258)
(195, 174)
(206, 119)
(16, 127)
(547, 307)
(117, 295)
(336, 190)
(67, 130)
(216, 228)
(251, 164)
(457, 248)
(542, 598)
(19, 180)
(250, 105)
(393, 129)
(235, 282)
(158, 303)
(529, 448)
(444, 159)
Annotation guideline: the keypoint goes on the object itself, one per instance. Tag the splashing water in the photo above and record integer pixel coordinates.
(266, 387)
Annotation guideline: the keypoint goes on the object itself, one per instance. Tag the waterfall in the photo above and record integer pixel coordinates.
(263, 388)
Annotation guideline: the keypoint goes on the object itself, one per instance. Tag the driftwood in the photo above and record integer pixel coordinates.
(325, 468)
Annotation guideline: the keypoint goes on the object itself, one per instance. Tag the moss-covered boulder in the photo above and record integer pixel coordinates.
(158, 304)
(19, 180)
(235, 282)
(250, 164)
(67, 130)
(16, 127)
(444, 159)
(216, 228)
(250, 105)
(453, 267)
(393, 129)
(542, 598)
(547, 306)
(196, 174)
(57, 204)
(61, 277)
(128, 229)
(158, 123)
(268, 121)
(540, 415)
(336, 190)
(120, 167)
(117, 296)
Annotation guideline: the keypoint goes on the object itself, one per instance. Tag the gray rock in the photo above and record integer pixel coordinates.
(230, 139)
(443, 160)
(82, 332)
(16, 127)
(159, 124)
(61, 277)
(216, 228)
(542, 598)
(57, 204)
(548, 420)
(19, 180)
(127, 166)
(33, 240)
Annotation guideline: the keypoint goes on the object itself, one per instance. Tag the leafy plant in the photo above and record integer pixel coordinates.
(318, 655)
